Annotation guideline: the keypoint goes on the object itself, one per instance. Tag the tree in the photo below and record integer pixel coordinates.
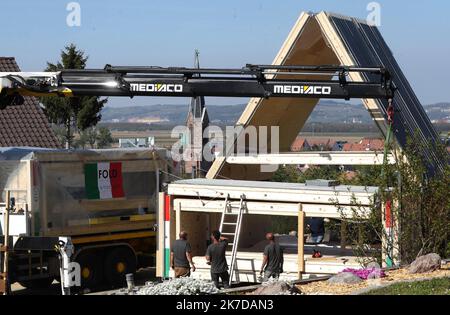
(104, 138)
(420, 207)
(82, 141)
(87, 137)
(76, 112)
(91, 136)
(420, 203)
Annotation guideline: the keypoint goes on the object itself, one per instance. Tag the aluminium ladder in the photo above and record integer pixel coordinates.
(237, 216)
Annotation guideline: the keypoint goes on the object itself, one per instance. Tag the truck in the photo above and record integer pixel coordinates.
(101, 201)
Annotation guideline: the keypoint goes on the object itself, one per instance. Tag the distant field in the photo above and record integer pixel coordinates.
(327, 135)
(347, 136)
(163, 137)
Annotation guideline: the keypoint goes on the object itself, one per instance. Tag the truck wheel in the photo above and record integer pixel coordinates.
(90, 269)
(118, 262)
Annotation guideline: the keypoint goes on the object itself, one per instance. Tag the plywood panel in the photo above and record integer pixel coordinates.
(271, 191)
(196, 225)
(304, 45)
(325, 39)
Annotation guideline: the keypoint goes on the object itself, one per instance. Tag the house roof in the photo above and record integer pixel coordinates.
(26, 124)
(320, 142)
(299, 143)
(366, 144)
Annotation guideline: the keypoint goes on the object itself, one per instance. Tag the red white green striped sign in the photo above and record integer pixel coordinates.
(103, 180)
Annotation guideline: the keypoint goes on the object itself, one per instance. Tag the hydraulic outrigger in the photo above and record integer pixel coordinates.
(250, 81)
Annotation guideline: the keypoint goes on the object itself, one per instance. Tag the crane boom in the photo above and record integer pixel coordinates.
(250, 81)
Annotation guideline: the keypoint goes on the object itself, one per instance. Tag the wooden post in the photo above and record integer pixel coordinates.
(343, 235)
(301, 238)
(178, 219)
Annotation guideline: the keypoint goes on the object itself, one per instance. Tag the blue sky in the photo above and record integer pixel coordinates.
(228, 34)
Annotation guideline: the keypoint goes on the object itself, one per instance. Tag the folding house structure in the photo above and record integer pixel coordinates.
(331, 39)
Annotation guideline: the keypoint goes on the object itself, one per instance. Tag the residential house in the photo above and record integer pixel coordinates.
(300, 144)
(365, 144)
(26, 124)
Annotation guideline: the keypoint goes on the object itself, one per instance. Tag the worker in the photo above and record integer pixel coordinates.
(181, 256)
(273, 259)
(317, 227)
(215, 256)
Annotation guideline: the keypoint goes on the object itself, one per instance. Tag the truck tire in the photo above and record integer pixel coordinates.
(90, 269)
(119, 261)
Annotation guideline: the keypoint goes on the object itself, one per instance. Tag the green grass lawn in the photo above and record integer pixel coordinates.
(439, 286)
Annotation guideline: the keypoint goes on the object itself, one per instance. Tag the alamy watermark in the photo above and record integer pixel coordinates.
(215, 142)
(74, 17)
(374, 16)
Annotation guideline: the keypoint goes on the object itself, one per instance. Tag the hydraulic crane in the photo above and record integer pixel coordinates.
(250, 81)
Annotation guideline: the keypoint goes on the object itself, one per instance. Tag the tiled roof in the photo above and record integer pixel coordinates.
(321, 144)
(299, 144)
(365, 145)
(26, 124)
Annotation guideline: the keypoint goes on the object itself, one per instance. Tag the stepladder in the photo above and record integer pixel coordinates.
(230, 228)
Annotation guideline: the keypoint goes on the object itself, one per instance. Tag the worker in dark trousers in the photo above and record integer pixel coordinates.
(181, 257)
(215, 256)
(317, 227)
(273, 259)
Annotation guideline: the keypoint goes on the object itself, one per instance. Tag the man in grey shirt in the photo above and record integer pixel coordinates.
(181, 257)
(273, 260)
(215, 256)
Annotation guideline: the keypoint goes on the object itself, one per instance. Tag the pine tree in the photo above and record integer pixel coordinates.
(104, 138)
(75, 113)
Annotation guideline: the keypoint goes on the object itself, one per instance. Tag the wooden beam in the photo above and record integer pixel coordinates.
(301, 239)
(270, 208)
(177, 218)
(275, 192)
(343, 235)
(313, 158)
